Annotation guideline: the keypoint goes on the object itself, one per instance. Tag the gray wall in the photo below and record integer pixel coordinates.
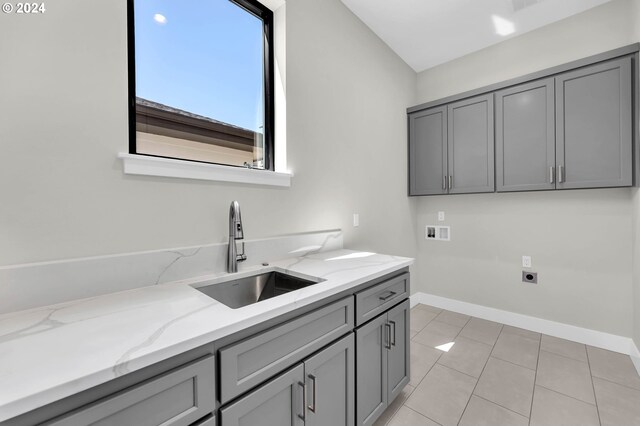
(580, 241)
(636, 266)
(636, 214)
(63, 119)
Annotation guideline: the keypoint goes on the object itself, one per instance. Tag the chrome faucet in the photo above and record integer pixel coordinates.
(235, 233)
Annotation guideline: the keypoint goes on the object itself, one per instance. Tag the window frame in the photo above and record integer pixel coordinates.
(250, 6)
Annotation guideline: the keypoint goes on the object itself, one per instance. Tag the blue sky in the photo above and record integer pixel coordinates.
(205, 57)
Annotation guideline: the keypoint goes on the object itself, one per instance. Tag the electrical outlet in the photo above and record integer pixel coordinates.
(356, 220)
(526, 261)
(441, 216)
(530, 277)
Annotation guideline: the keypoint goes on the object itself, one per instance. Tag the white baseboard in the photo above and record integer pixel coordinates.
(635, 356)
(595, 338)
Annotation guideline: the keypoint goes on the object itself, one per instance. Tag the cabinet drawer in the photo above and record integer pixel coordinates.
(252, 361)
(377, 299)
(176, 398)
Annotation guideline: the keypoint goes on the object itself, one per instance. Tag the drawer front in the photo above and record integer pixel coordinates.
(252, 361)
(377, 299)
(176, 398)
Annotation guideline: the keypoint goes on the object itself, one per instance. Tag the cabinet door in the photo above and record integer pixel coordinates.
(398, 359)
(371, 370)
(471, 145)
(593, 125)
(525, 137)
(330, 377)
(279, 402)
(428, 152)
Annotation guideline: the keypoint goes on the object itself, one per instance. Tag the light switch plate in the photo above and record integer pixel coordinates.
(356, 220)
(526, 261)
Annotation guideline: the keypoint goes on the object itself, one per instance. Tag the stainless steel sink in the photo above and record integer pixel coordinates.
(256, 288)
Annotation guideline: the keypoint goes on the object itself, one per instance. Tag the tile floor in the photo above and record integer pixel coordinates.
(469, 371)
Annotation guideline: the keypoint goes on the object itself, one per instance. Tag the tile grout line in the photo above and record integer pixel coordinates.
(568, 396)
(501, 406)
(535, 379)
(615, 383)
(564, 356)
(517, 365)
(483, 367)
(595, 397)
(419, 413)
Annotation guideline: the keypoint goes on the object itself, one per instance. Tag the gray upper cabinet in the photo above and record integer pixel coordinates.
(525, 137)
(428, 152)
(593, 126)
(471, 145)
(451, 148)
(568, 127)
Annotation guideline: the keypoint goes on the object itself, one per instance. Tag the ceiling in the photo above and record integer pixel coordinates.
(426, 33)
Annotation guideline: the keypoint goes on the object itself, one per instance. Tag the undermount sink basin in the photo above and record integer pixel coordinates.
(256, 288)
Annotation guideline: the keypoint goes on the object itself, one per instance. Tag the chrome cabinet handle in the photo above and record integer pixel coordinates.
(560, 174)
(450, 183)
(444, 183)
(312, 407)
(388, 296)
(387, 326)
(393, 342)
(304, 400)
(552, 174)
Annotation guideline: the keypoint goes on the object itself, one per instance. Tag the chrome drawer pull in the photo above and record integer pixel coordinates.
(393, 342)
(387, 326)
(388, 296)
(304, 400)
(312, 407)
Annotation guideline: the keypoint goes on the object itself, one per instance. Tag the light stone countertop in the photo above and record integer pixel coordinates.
(52, 352)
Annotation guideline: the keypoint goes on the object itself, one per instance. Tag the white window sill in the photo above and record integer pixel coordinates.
(166, 167)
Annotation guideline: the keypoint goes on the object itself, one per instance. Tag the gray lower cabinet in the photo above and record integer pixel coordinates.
(525, 137)
(330, 382)
(177, 398)
(382, 362)
(250, 362)
(317, 392)
(471, 145)
(593, 126)
(279, 402)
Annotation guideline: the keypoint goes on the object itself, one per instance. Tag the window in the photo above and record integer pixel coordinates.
(200, 81)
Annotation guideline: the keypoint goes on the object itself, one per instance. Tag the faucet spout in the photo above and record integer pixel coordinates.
(235, 233)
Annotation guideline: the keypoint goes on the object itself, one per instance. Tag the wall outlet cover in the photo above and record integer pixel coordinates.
(356, 220)
(441, 216)
(526, 261)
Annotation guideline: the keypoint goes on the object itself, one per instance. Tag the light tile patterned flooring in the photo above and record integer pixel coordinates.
(495, 375)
